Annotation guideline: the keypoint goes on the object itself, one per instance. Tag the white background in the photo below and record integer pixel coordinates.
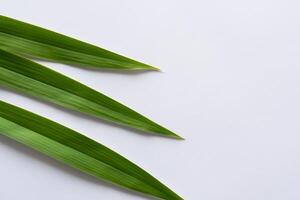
(230, 86)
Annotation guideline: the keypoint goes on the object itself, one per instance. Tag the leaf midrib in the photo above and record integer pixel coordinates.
(88, 155)
(97, 57)
(108, 110)
(92, 49)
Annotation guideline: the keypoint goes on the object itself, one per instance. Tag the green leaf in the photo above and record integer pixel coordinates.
(78, 151)
(29, 40)
(34, 79)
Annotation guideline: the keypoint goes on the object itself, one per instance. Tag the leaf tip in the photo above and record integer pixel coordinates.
(155, 69)
(177, 137)
(143, 66)
(152, 68)
(170, 134)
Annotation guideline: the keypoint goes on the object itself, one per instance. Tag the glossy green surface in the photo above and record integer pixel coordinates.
(29, 40)
(36, 80)
(78, 151)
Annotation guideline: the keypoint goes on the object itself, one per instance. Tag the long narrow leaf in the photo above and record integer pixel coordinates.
(78, 151)
(31, 78)
(29, 40)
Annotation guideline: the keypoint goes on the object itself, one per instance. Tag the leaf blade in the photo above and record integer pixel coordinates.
(29, 40)
(36, 80)
(78, 151)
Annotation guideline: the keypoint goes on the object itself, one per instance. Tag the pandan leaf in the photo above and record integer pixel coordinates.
(34, 79)
(29, 40)
(78, 151)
